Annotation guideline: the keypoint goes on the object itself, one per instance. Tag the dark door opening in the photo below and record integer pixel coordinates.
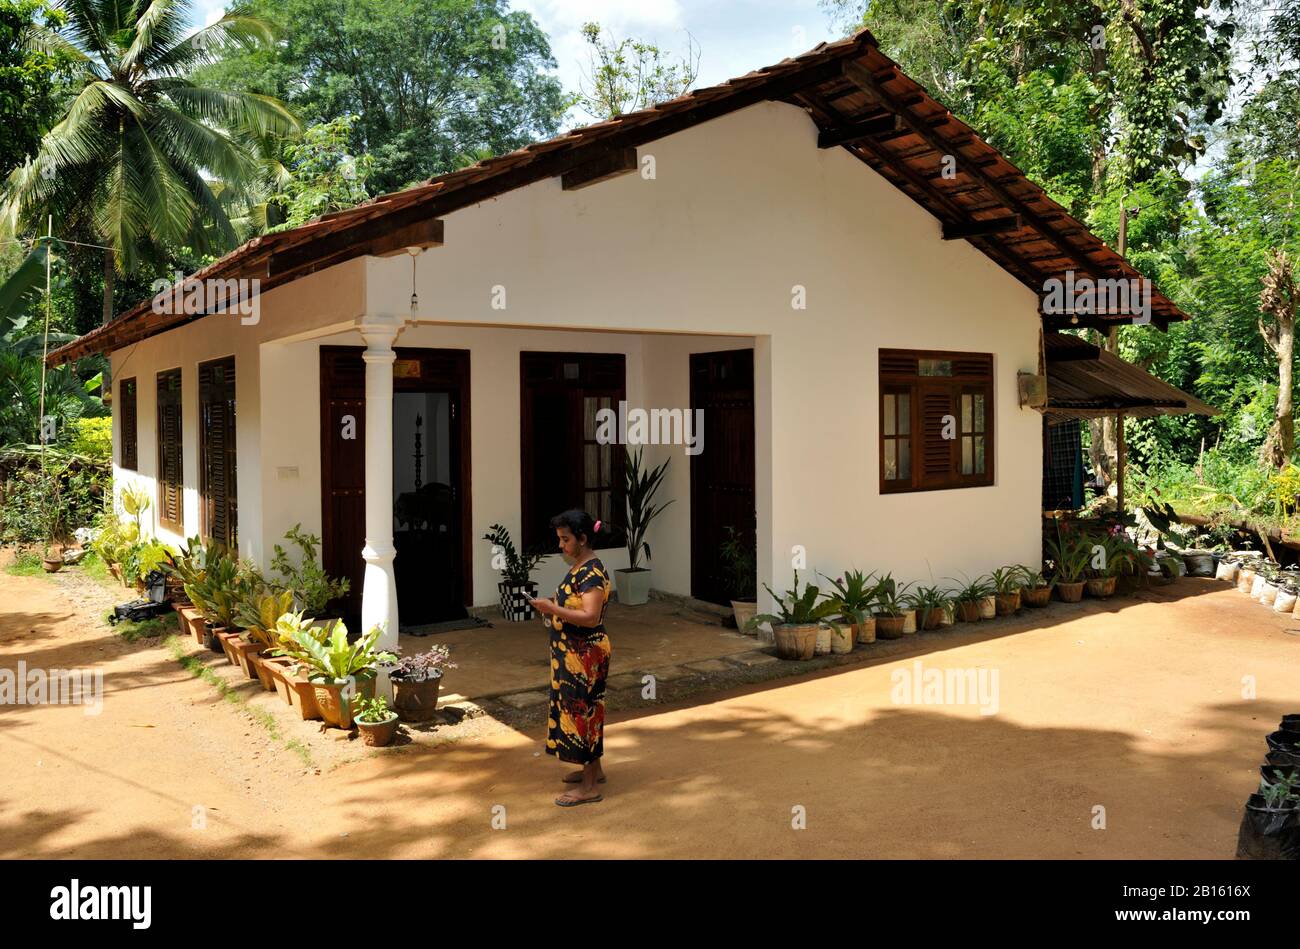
(722, 475)
(431, 502)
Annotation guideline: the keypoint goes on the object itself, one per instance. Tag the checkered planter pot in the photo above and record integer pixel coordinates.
(514, 601)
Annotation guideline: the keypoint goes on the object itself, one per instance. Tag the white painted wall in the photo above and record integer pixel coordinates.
(741, 210)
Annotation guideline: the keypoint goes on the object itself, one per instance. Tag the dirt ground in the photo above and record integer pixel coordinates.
(1134, 706)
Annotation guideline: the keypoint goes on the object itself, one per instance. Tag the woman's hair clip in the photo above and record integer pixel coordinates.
(597, 527)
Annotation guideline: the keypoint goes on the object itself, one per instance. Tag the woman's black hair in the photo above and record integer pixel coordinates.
(579, 523)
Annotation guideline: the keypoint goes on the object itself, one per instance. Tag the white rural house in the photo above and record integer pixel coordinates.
(818, 256)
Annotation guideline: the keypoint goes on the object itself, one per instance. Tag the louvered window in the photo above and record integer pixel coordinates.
(170, 471)
(129, 458)
(219, 510)
(936, 420)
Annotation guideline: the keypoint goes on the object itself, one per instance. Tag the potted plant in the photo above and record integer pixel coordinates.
(890, 603)
(375, 720)
(1037, 590)
(336, 668)
(313, 589)
(798, 618)
(259, 612)
(45, 490)
(416, 680)
(1007, 584)
(1099, 581)
(1271, 827)
(633, 584)
(741, 565)
(1070, 555)
(931, 605)
(970, 595)
(855, 596)
(516, 588)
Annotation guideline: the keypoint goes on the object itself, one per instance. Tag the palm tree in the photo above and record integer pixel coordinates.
(128, 159)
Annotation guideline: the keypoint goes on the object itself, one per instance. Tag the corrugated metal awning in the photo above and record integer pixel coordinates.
(1084, 381)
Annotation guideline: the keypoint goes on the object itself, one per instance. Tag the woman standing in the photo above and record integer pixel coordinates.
(579, 658)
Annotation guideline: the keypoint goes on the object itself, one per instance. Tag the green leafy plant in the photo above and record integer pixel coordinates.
(260, 611)
(135, 501)
(1034, 579)
(891, 599)
(327, 654)
(1070, 555)
(972, 591)
(371, 711)
(1281, 793)
(518, 569)
(925, 598)
(1007, 580)
(313, 589)
(855, 594)
(641, 487)
(798, 607)
(740, 561)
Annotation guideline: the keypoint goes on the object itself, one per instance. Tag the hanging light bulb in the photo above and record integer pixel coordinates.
(415, 299)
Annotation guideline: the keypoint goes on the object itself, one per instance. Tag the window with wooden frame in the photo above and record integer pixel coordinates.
(936, 420)
(170, 457)
(218, 505)
(129, 456)
(563, 465)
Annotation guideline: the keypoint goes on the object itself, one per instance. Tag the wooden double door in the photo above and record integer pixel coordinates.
(431, 489)
(722, 475)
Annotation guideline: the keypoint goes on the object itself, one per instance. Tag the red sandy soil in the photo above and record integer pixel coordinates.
(1132, 705)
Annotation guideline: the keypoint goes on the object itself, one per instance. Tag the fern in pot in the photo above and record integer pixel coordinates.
(740, 562)
(641, 485)
(516, 588)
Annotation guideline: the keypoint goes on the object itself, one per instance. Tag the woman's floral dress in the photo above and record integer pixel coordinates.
(579, 665)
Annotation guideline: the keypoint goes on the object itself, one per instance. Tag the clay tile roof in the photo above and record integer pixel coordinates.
(1032, 237)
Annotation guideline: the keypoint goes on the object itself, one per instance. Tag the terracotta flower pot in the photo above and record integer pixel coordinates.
(890, 627)
(267, 667)
(1036, 597)
(796, 642)
(228, 637)
(335, 708)
(1100, 587)
(1069, 592)
(932, 617)
(866, 630)
(246, 654)
(51, 564)
(416, 701)
(212, 637)
(743, 611)
(1008, 604)
(968, 611)
(378, 734)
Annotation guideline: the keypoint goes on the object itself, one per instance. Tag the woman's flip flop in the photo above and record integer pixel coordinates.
(570, 802)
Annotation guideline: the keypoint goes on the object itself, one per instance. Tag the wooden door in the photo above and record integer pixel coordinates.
(434, 579)
(722, 475)
(343, 471)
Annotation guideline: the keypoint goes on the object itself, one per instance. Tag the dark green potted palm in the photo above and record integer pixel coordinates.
(517, 589)
(633, 584)
(741, 567)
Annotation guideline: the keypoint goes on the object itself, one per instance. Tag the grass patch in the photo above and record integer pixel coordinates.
(27, 563)
(148, 629)
(176, 646)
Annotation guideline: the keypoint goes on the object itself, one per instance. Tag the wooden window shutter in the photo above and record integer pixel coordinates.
(217, 468)
(170, 457)
(951, 399)
(130, 454)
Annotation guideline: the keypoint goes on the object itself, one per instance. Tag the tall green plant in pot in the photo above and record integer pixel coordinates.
(641, 485)
(798, 618)
(516, 588)
(740, 562)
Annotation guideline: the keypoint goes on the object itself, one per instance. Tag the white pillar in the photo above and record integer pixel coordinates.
(379, 588)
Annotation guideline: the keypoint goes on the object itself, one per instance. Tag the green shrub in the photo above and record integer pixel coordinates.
(93, 438)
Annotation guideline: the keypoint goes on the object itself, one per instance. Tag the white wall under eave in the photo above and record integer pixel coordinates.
(742, 210)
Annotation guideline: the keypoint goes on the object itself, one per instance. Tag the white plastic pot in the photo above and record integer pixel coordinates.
(1268, 593)
(1226, 571)
(1285, 601)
